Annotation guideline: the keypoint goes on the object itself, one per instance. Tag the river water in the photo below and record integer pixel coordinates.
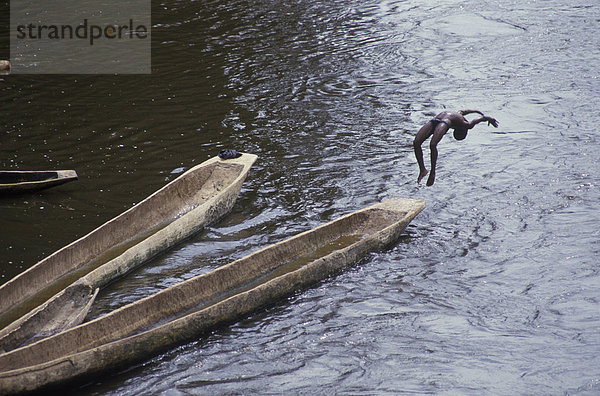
(495, 286)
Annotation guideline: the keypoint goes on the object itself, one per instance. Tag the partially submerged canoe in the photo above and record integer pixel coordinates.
(183, 311)
(15, 182)
(57, 292)
(5, 67)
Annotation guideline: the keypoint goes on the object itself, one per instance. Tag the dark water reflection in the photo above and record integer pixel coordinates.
(494, 288)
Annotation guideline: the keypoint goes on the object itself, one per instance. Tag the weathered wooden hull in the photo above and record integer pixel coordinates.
(183, 311)
(5, 67)
(17, 182)
(30, 302)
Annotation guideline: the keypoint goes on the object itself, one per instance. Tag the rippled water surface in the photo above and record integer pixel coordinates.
(493, 289)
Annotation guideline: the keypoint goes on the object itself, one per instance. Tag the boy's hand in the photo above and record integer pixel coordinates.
(492, 121)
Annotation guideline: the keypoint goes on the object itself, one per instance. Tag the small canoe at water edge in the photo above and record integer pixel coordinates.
(5, 67)
(184, 311)
(49, 296)
(15, 182)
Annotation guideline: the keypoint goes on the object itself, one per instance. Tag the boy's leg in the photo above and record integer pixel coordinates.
(425, 131)
(437, 137)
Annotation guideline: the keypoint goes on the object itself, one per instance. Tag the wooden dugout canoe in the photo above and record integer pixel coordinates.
(58, 291)
(183, 311)
(5, 67)
(16, 182)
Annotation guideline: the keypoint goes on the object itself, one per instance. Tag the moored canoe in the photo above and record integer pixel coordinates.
(16, 182)
(63, 285)
(183, 311)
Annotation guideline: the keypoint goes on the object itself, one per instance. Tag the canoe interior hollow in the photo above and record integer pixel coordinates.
(20, 177)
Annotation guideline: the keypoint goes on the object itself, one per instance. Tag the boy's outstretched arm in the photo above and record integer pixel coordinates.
(465, 112)
(490, 120)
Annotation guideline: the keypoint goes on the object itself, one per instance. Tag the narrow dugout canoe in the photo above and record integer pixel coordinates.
(16, 182)
(57, 292)
(183, 311)
(5, 67)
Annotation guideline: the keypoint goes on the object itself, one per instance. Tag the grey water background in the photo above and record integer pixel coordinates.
(495, 287)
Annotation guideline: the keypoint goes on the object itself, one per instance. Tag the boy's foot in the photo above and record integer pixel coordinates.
(422, 175)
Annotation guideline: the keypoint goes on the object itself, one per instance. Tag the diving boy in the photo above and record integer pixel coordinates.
(437, 128)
